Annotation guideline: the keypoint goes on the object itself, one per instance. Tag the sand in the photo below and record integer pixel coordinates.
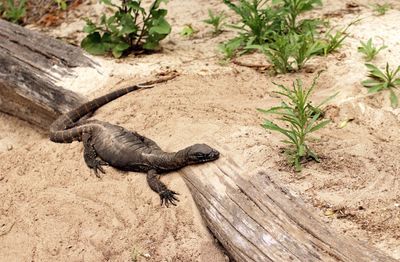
(55, 209)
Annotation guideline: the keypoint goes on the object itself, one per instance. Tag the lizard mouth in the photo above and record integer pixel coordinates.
(201, 153)
(213, 155)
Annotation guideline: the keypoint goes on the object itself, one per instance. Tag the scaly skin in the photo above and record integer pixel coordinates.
(108, 144)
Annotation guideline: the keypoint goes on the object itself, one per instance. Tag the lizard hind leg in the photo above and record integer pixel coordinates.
(90, 155)
(166, 196)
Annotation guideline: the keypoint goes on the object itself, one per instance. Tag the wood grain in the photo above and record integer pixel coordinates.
(31, 65)
(257, 220)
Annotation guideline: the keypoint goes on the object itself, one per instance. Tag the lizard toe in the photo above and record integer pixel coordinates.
(168, 197)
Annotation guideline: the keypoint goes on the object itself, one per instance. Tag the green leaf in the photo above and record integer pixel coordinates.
(393, 99)
(128, 25)
(157, 3)
(119, 48)
(396, 81)
(107, 2)
(375, 72)
(149, 45)
(327, 99)
(135, 6)
(93, 44)
(90, 27)
(319, 125)
(376, 88)
(371, 83)
(162, 27)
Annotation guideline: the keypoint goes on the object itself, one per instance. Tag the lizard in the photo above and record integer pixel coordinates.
(108, 144)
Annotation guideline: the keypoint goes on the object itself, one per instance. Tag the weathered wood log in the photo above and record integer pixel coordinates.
(257, 220)
(32, 67)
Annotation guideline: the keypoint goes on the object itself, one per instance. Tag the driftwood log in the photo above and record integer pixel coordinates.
(254, 218)
(257, 220)
(30, 66)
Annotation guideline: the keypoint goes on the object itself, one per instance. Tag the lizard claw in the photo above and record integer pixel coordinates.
(168, 197)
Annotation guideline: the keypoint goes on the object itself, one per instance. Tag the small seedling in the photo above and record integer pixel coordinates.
(300, 118)
(13, 12)
(369, 50)
(230, 48)
(381, 9)
(216, 20)
(188, 31)
(379, 80)
(130, 28)
(62, 4)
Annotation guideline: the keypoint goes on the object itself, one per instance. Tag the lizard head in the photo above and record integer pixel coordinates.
(200, 153)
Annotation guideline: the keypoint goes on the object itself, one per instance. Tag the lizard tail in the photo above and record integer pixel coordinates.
(62, 130)
(68, 119)
(69, 135)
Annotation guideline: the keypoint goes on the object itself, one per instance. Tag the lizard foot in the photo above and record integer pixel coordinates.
(168, 197)
(97, 165)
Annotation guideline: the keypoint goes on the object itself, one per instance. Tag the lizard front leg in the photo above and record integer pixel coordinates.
(90, 155)
(167, 196)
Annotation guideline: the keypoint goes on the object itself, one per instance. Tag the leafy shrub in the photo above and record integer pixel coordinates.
(300, 119)
(379, 80)
(216, 20)
(369, 50)
(13, 11)
(274, 28)
(261, 22)
(290, 52)
(130, 28)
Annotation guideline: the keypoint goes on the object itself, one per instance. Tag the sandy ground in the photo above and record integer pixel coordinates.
(55, 209)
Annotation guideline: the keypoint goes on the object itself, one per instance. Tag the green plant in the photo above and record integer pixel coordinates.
(188, 31)
(262, 20)
(381, 9)
(229, 48)
(379, 80)
(306, 47)
(216, 20)
(130, 28)
(279, 53)
(332, 42)
(290, 52)
(369, 50)
(259, 21)
(293, 8)
(274, 27)
(300, 119)
(62, 4)
(12, 11)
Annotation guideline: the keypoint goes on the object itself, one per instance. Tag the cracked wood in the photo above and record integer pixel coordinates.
(31, 64)
(257, 220)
